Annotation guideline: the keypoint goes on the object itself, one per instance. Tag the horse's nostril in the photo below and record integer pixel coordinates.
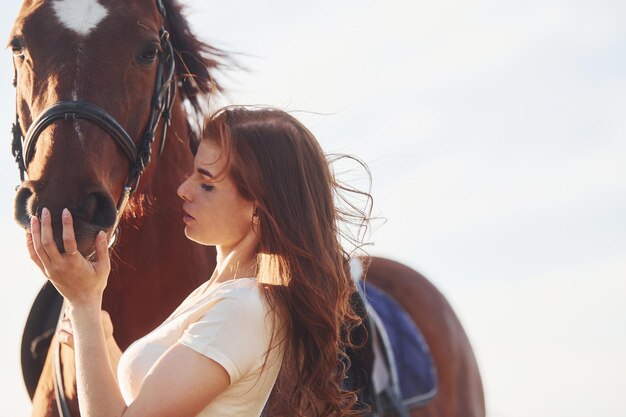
(21, 210)
(99, 210)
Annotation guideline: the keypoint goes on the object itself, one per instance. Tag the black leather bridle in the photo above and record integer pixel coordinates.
(23, 148)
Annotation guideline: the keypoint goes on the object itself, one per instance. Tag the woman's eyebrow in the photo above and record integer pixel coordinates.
(204, 172)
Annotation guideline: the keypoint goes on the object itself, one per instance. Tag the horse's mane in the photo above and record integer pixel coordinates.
(196, 63)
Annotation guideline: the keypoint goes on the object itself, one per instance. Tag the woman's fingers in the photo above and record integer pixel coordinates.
(69, 240)
(103, 263)
(65, 333)
(31, 251)
(66, 324)
(35, 229)
(47, 237)
(66, 338)
(76, 278)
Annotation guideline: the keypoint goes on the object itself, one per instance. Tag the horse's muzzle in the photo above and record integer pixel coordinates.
(94, 212)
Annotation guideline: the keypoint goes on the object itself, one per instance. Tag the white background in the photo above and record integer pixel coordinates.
(495, 132)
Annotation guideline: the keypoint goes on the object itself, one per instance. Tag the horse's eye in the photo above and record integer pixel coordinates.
(150, 53)
(17, 46)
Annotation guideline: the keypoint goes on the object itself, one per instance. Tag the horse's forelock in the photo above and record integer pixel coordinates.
(196, 61)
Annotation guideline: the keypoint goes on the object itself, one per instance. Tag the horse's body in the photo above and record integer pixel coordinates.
(459, 387)
(107, 60)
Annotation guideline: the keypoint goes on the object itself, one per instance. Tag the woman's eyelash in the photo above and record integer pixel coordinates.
(207, 187)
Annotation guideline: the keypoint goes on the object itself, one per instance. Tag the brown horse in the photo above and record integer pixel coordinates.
(107, 53)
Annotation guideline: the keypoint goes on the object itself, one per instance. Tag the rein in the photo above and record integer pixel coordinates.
(139, 155)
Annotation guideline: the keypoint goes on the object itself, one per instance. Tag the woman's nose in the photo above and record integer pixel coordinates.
(182, 190)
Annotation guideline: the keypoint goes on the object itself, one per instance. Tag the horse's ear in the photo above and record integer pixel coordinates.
(196, 61)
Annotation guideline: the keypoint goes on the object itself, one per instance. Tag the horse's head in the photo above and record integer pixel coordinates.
(108, 54)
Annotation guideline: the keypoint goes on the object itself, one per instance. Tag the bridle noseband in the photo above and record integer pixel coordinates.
(75, 110)
(139, 156)
(23, 148)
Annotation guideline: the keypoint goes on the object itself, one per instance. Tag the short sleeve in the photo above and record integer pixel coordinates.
(233, 332)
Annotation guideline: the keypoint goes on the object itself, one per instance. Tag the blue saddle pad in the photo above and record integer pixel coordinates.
(417, 376)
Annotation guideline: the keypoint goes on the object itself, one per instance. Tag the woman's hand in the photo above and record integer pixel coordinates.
(79, 280)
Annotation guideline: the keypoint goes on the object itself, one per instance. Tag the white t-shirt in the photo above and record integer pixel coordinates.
(227, 322)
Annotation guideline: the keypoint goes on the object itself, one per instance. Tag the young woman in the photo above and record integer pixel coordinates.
(262, 192)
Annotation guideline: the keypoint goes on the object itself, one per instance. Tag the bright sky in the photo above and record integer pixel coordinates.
(495, 132)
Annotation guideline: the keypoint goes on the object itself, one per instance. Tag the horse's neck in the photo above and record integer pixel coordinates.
(154, 266)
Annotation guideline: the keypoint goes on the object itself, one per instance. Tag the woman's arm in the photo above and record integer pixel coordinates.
(66, 336)
(115, 353)
(98, 392)
(181, 383)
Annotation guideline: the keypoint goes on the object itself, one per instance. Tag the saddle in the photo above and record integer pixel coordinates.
(400, 370)
(38, 332)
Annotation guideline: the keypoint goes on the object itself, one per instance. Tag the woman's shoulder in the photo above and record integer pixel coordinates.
(207, 296)
(239, 287)
(244, 292)
(239, 302)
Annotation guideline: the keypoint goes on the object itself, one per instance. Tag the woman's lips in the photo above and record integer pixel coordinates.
(186, 217)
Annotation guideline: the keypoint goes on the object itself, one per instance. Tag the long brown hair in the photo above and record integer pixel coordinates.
(302, 267)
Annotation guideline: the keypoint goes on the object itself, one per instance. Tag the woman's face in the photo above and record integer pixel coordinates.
(215, 213)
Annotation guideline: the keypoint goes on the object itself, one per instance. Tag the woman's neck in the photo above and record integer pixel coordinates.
(229, 269)
(235, 262)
